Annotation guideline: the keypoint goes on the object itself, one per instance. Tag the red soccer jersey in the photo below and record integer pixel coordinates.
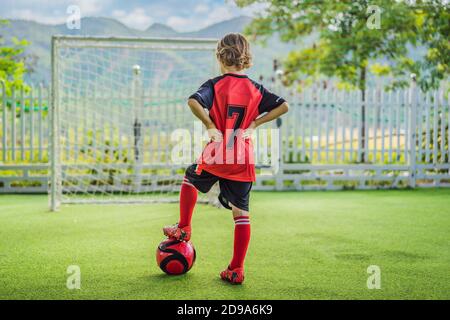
(233, 101)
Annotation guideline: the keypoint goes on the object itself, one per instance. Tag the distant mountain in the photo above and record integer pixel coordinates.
(39, 35)
(160, 30)
(99, 26)
(217, 30)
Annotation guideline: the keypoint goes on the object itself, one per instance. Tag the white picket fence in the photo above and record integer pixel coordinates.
(24, 129)
(335, 139)
(330, 139)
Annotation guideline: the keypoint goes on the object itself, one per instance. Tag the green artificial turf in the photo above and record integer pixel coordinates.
(305, 245)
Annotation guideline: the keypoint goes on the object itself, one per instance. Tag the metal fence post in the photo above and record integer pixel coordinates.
(54, 154)
(4, 122)
(279, 138)
(413, 97)
(279, 171)
(138, 105)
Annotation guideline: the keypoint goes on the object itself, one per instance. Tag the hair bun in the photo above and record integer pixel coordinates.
(234, 50)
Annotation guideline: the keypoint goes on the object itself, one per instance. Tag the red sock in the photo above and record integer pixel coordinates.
(188, 198)
(241, 240)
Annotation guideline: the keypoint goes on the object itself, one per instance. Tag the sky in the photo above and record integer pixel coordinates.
(182, 15)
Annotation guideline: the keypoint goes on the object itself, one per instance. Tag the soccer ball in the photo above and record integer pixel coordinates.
(175, 257)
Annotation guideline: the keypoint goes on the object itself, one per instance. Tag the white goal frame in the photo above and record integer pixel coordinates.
(63, 41)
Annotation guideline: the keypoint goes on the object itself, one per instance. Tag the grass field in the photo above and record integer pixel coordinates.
(305, 245)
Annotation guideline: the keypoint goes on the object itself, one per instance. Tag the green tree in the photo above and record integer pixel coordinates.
(434, 30)
(353, 38)
(12, 62)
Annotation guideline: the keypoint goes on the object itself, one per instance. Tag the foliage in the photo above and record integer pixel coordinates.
(351, 35)
(433, 21)
(12, 62)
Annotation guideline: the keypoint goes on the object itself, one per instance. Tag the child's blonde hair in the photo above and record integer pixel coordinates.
(233, 50)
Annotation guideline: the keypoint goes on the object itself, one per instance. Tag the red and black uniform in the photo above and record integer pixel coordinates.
(233, 101)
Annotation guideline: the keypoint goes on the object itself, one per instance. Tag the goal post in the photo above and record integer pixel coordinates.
(115, 103)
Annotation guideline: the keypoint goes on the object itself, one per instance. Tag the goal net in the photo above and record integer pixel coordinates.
(116, 104)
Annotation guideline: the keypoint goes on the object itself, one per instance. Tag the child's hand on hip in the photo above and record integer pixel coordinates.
(214, 134)
(247, 134)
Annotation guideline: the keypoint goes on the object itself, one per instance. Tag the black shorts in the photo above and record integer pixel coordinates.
(234, 192)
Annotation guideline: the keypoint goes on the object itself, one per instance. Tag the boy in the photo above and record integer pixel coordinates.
(235, 104)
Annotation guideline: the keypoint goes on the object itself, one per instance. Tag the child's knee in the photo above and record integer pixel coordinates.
(237, 212)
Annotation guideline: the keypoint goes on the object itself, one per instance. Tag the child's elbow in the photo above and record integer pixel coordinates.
(191, 102)
(285, 107)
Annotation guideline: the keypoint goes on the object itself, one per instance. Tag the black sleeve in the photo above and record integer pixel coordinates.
(269, 101)
(204, 95)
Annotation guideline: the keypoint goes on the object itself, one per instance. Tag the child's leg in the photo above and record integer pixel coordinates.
(241, 237)
(188, 199)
